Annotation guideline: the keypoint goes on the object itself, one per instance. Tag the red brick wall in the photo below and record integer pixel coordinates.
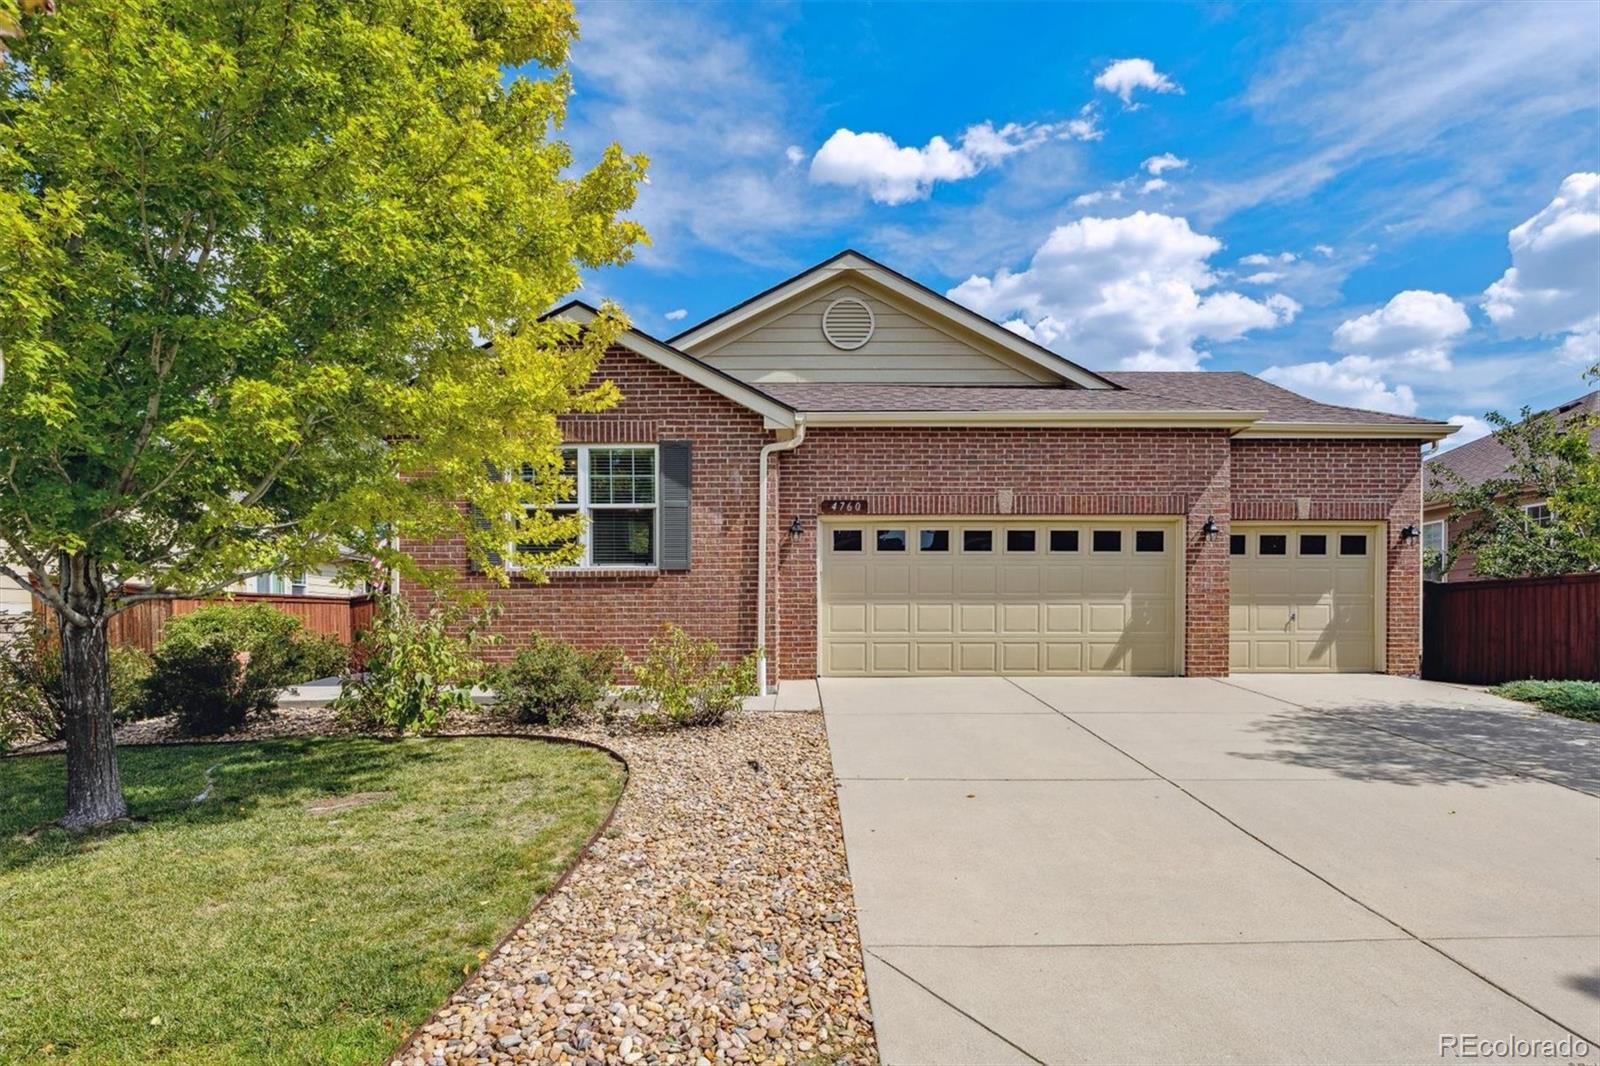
(716, 597)
(1375, 481)
(1046, 471)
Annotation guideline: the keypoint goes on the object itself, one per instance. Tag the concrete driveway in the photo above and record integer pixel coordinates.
(1264, 869)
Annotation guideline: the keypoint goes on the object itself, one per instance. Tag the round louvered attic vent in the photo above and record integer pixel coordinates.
(847, 323)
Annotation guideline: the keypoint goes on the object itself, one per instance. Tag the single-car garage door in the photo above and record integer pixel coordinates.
(930, 596)
(1305, 597)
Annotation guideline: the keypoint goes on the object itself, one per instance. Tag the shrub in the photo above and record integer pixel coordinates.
(416, 670)
(280, 649)
(209, 683)
(549, 682)
(686, 682)
(319, 655)
(1574, 699)
(32, 690)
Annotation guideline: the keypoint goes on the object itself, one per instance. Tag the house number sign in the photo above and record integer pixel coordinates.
(844, 506)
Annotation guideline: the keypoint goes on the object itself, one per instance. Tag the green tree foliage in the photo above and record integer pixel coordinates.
(1551, 460)
(251, 254)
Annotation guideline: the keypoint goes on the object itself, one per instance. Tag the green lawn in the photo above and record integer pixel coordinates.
(248, 929)
(1573, 699)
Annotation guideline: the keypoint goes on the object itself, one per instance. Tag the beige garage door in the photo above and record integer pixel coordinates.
(1304, 598)
(924, 596)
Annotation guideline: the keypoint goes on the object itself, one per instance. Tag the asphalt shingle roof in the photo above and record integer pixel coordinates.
(1487, 458)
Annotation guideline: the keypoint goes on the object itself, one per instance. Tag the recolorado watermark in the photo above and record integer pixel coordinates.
(1473, 1046)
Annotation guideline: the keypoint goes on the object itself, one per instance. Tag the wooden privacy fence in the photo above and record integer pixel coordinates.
(141, 625)
(1486, 632)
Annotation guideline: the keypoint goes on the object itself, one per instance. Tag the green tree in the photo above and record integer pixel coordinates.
(1551, 459)
(251, 254)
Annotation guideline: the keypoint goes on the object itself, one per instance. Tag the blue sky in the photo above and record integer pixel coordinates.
(1323, 194)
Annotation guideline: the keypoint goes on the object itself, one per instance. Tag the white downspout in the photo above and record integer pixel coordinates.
(761, 538)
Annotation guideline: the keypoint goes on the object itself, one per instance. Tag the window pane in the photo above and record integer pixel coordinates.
(847, 540)
(622, 537)
(1019, 540)
(977, 540)
(533, 547)
(1352, 544)
(935, 540)
(1433, 536)
(1149, 540)
(622, 475)
(1063, 540)
(891, 540)
(1107, 540)
(1236, 544)
(1313, 544)
(569, 470)
(1272, 544)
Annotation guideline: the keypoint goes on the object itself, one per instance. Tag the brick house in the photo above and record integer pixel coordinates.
(943, 496)
(1486, 459)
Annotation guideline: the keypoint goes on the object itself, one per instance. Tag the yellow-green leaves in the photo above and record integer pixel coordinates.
(251, 254)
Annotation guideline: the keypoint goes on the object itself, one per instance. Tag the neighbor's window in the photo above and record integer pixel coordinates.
(1434, 537)
(1538, 514)
(615, 490)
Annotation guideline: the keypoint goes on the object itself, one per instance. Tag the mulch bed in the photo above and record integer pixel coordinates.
(712, 921)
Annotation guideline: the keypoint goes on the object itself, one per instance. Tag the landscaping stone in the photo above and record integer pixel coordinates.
(712, 922)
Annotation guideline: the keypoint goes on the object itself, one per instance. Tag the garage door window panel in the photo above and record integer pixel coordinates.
(1273, 544)
(1107, 540)
(891, 540)
(934, 540)
(1149, 540)
(1313, 544)
(1020, 540)
(977, 540)
(1063, 540)
(1353, 544)
(847, 540)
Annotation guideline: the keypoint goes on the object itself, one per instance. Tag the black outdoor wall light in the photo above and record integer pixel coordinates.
(1210, 529)
(1409, 533)
(797, 528)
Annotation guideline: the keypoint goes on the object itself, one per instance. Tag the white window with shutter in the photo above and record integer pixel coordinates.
(615, 489)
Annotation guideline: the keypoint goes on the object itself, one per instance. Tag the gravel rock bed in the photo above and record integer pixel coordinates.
(711, 922)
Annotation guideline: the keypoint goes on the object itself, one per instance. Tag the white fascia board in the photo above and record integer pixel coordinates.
(933, 303)
(776, 415)
(1420, 431)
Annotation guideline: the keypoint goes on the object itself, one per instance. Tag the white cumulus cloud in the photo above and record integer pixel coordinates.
(677, 316)
(1260, 259)
(1263, 277)
(1410, 337)
(1124, 76)
(1415, 329)
(795, 155)
(1351, 382)
(1472, 428)
(1153, 185)
(897, 174)
(1553, 286)
(1165, 161)
(1136, 291)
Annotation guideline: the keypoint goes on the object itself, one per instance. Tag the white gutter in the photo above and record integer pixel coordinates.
(761, 539)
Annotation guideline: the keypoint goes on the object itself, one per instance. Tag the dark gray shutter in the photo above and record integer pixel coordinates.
(480, 521)
(676, 465)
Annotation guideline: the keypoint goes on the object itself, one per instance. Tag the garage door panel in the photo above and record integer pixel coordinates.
(936, 618)
(1019, 608)
(977, 617)
(1308, 609)
(891, 618)
(1020, 658)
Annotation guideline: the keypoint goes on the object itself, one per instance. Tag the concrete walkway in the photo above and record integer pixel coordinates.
(1263, 869)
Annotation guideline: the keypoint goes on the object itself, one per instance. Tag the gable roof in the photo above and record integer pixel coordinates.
(778, 414)
(938, 306)
(1488, 458)
(1286, 414)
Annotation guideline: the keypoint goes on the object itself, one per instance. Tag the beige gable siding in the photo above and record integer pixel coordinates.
(14, 599)
(904, 349)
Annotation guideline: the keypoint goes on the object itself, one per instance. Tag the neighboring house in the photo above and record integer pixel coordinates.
(1484, 459)
(944, 496)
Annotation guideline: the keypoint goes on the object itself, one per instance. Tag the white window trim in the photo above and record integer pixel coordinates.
(1529, 507)
(584, 508)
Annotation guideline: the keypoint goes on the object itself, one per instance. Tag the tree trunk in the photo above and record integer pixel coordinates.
(94, 784)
